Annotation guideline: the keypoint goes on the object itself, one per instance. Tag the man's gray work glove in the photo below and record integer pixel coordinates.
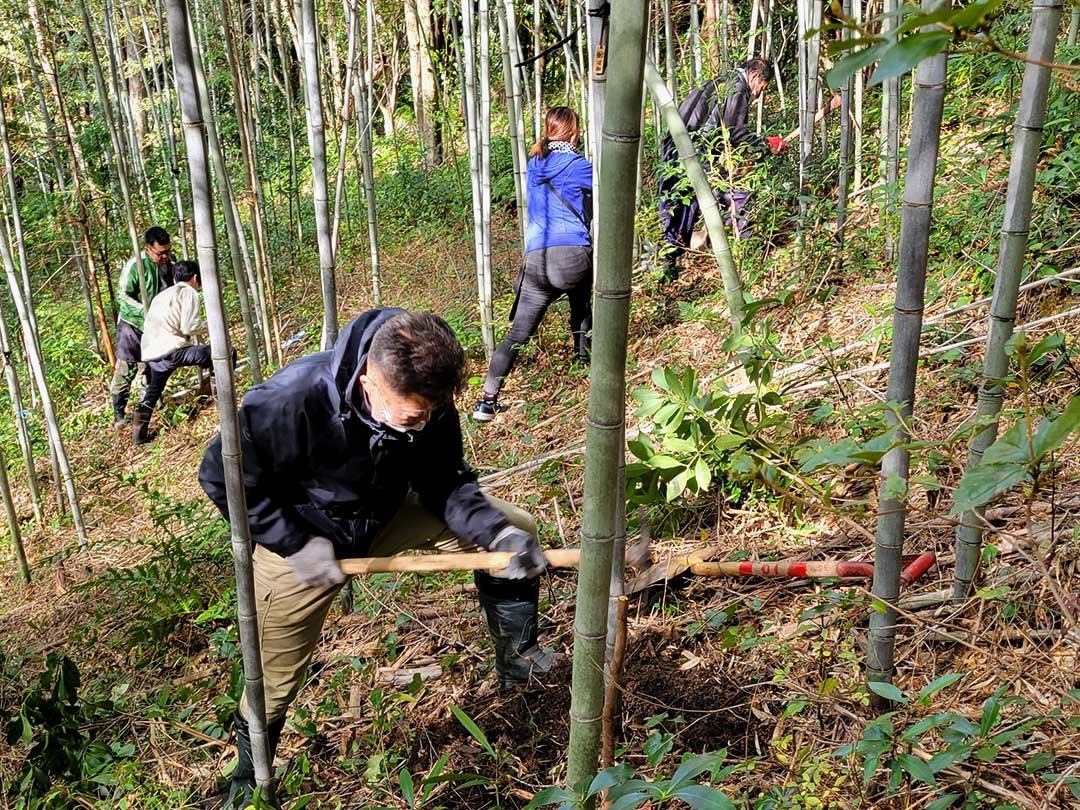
(316, 565)
(528, 560)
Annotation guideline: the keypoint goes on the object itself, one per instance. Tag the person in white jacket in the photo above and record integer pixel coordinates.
(173, 322)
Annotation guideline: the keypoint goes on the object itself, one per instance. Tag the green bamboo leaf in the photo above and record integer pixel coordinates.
(703, 797)
(973, 15)
(551, 795)
(662, 462)
(693, 768)
(887, 691)
(473, 729)
(853, 63)
(942, 802)
(406, 781)
(902, 56)
(1052, 434)
(980, 484)
(641, 448)
(678, 445)
(937, 685)
(703, 475)
(609, 777)
(917, 769)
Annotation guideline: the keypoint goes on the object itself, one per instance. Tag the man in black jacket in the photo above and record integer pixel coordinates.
(709, 120)
(358, 452)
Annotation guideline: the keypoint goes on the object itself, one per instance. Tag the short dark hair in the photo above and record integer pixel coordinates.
(419, 354)
(756, 64)
(186, 270)
(156, 236)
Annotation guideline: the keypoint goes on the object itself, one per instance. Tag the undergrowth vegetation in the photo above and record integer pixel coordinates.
(119, 677)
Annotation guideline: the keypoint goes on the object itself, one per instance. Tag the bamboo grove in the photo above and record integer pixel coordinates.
(277, 125)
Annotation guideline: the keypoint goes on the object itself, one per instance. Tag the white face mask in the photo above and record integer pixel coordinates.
(384, 420)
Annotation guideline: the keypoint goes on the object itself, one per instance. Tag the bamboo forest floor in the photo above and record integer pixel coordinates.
(768, 670)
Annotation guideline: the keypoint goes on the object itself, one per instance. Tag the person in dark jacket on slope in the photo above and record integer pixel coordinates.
(558, 251)
(358, 452)
(706, 117)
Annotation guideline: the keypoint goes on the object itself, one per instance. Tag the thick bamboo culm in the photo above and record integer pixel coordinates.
(1027, 140)
(206, 243)
(915, 222)
(607, 393)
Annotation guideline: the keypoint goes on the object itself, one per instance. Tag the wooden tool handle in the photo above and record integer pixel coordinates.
(457, 561)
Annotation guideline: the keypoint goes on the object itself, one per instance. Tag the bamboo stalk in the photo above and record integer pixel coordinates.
(613, 689)
(37, 372)
(607, 394)
(845, 146)
(205, 238)
(904, 355)
(22, 431)
(1027, 142)
(317, 143)
(245, 282)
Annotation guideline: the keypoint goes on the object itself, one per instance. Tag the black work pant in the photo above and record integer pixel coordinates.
(546, 276)
(158, 371)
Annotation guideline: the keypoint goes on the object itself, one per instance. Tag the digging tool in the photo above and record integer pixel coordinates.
(832, 105)
(457, 561)
(697, 563)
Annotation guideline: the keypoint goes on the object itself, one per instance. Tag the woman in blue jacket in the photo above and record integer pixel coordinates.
(558, 250)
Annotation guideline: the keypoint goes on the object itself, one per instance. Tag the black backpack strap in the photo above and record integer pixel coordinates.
(569, 207)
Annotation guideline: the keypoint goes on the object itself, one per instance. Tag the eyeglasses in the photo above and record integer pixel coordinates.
(166, 253)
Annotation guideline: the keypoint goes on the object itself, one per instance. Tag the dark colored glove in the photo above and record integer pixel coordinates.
(316, 565)
(528, 560)
(776, 143)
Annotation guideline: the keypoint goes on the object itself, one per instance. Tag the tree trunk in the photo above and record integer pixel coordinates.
(904, 355)
(669, 49)
(845, 148)
(476, 174)
(317, 143)
(353, 27)
(1027, 141)
(512, 91)
(363, 129)
(264, 276)
(245, 283)
(205, 238)
(890, 143)
(597, 81)
(419, 31)
(22, 430)
(117, 146)
(710, 210)
(858, 110)
(37, 373)
(695, 44)
(607, 395)
(13, 521)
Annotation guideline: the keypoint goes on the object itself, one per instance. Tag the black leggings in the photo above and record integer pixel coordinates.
(546, 276)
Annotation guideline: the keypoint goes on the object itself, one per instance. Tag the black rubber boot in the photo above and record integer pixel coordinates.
(140, 425)
(582, 347)
(242, 786)
(119, 407)
(510, 607)
(670, 264)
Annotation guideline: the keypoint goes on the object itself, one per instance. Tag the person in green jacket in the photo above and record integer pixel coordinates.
(154, 273)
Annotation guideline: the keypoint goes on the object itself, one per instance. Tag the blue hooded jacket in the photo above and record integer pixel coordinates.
(551, 222)
(317, 463)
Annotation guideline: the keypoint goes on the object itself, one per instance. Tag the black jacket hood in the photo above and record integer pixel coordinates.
(350, 353)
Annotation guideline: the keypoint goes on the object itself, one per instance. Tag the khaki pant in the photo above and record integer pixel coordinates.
(291, 614)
